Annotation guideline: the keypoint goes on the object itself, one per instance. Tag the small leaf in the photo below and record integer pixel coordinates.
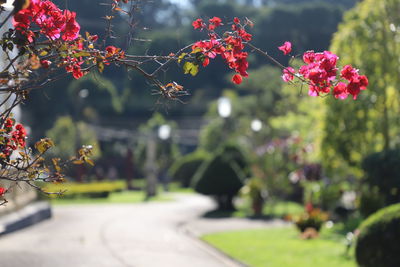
(100, 66)
(55, 164)
(90, 162)
(44, 144)
(81, 54)
(43, 53)
(190, 67)
(180, 58)
(196, 50)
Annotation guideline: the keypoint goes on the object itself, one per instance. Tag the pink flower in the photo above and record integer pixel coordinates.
(288, 74)
(349, 73)
(71, 28)
(286, 48)
(308, 57)
(340, 91)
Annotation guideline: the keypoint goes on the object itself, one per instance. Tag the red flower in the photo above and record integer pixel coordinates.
(198, 24)
(236, 20)
(356, 85)
(71, 28)
(9, 123)
(340, 91)
(206, 61)
(49, 18)
(308, 57)
(237, 79)
(286, 48)
(216, 21)
(77, 72)
(2, 191)
(111, 50)
(349, 73)
(45, 63)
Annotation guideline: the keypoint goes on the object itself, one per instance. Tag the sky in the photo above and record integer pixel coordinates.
(182, 3)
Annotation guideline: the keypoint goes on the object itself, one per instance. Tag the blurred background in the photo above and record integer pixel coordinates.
(264, 149)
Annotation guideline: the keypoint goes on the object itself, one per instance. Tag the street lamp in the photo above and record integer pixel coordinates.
(256, 125)
(224, 107)
(164, 132)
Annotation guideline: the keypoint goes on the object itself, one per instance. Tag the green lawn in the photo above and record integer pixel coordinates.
(282, 247)
(278, 209)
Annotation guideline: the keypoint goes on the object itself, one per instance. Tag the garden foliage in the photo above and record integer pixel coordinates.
(378, 243)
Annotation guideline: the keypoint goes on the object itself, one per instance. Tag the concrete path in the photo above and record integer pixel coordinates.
(122, 235)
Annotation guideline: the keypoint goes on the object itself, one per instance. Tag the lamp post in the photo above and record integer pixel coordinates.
(224, 111)
(256, 125)
(164, 134)
(224, 107)
(152, 168)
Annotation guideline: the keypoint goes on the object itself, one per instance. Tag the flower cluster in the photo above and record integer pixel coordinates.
(230, 47)
(12, 137)
(51, 21)
(2, 191)
(321, 73)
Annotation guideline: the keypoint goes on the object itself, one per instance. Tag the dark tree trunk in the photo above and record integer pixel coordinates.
(225, 202)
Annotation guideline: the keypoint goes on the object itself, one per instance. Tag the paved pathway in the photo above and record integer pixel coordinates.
(126, 235)
(121, 235)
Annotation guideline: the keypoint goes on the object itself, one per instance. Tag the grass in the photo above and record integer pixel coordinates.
(278, 209)
(277, 247)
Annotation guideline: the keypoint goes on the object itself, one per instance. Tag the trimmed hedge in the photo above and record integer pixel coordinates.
(185, 168)
(86, 190)
(378, 244)
(221, 177)
(383, 172)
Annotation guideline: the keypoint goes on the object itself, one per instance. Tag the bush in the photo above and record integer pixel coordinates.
(185, 168)
(378, 243)
(220, 177)
(313, 218)
(86, 190)
(383, 171)
(371, 200)
(234, 153)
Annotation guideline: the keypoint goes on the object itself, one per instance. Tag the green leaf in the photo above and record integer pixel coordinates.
(44, 144)
(190, 67)
(180, 58)
(81, 54)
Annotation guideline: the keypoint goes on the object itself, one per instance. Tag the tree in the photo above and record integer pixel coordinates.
(368, 38)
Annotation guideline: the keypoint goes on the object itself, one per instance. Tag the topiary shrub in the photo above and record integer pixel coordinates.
(185, 168)
(219, 177)
(371, 200)
(378, 243)
(383, 171)
(235, 153)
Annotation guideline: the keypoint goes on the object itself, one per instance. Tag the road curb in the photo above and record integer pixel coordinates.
(31, 214)
(224, 258)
